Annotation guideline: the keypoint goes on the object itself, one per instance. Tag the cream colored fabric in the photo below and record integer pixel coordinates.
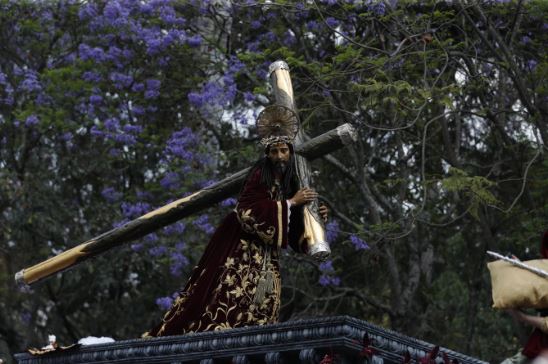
(514, 287)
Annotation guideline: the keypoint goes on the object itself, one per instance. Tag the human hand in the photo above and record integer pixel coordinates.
(324, 211)
(516, 314)
(304, 195)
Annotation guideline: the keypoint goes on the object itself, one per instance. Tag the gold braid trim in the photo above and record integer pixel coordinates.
(280, 223)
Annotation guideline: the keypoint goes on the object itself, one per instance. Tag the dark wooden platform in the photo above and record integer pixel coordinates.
(304, 341)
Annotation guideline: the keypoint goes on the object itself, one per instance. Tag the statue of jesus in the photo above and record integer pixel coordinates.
(237, 281)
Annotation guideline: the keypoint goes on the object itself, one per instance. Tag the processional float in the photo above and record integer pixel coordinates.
(305, 150)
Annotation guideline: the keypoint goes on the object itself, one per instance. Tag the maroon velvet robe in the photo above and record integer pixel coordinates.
(237, 281)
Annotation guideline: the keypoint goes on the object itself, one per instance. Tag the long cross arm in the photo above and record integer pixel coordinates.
(176, 210)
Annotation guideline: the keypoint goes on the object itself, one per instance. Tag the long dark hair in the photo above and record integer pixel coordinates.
(289, 184)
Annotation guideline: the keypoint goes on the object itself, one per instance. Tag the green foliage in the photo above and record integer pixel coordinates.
(475, 189)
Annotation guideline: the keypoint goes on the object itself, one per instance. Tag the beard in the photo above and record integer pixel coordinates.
(280, 167)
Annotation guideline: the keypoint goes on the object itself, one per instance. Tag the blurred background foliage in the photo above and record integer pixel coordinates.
(111, 108)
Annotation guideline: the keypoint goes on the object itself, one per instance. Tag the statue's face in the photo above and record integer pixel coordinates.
(279, 156)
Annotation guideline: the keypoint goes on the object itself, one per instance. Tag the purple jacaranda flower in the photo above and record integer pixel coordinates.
(235, 65)
(174, 229)
(137, 209)
(181, 143)
(120, 80)
(358, 243)
(138, 87)
(3, 78)
(127, 54)
(67, 137)
(531, 64)
(312, 25)
(95, 99)
(88, 53)
(332, 230)
(43, 99)
(31, 121)
(154, 45)
(152, 238)
(195, 99)
(525, 39)
(112, 124)
(95, 131)
(152, 87)
(151, 94)
(327, 280)
(327, 266)
(137, 247)
(249, 97)
(170, 181)
(112, 10)
(178, 262)
(167, 14)
(173, 36)
(31, 82)
(377, 8)
(157, 250)
(332, 22)
(261, 73)
(18, 71)
(114, 152)
(87, 11)
(255, 24)
(202, 223)
(164, 302)
(241, 118)
(91, 76)
(137, 110)
(253, 46)
(194, 41)
(289, 38)
(329, 2)
(146, 8)
(132, 129)
(301, 12)
(110, 194)
(269, 37)
(124, 138)
(26, 317)
(8, 100)
(229, 202)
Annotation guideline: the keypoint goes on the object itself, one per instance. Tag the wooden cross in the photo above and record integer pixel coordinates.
(174, 211)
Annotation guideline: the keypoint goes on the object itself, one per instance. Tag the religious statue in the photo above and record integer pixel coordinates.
(237, 281)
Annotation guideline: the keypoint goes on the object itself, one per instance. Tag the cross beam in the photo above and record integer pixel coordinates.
(168, 214)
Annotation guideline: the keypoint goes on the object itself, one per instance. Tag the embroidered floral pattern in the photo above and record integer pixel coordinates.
(251, 226)
(239, 285)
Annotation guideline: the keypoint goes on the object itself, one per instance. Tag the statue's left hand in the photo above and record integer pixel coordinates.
(324, 211)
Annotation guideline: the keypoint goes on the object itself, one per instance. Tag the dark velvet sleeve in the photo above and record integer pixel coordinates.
(259, 215)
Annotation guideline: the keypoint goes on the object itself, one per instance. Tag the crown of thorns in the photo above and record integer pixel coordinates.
(277, 124)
